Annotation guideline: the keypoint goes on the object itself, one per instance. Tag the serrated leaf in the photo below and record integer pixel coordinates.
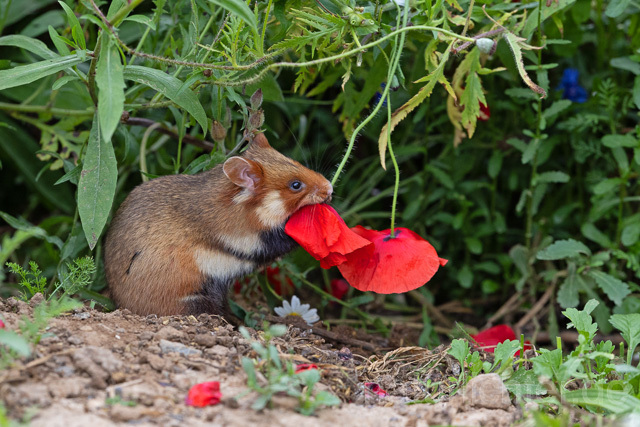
(552, 176)
(97, 185)
(525, 382)
(24, 74)
(513, 42)
(556, 108)
(629, 326)
(568, 293)
(630, 234)
(581, 320)
(614, 401)
(505, 351)
(615, 288)
(30, 44)
(402, 112)
(240, 9)
(613, 141)
(171, 87)
(562, 249)
(110, 81)
(548, 363)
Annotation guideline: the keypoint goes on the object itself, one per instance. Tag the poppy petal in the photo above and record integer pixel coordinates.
(324, 234)
(204, 394)
(392, 265)
(490, 338)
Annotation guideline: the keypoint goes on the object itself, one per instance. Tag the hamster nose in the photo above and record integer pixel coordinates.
(328, 192)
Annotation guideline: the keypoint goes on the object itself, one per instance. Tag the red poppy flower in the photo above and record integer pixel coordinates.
(1, 324)
(392, 265)
(305, 367)
(484, 113)
(204, 394)
(374, 387)
(490, 338)
(321, 232)
(339, 288)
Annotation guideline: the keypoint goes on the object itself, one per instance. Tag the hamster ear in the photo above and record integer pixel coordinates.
(260, 141)
(243, 172)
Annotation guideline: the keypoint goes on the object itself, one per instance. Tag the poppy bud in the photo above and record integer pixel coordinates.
(218, 131)
(256, 99)
(486, 45)
(207, 72)
(256, 119)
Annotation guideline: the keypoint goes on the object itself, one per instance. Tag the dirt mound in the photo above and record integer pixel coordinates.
(93, 368)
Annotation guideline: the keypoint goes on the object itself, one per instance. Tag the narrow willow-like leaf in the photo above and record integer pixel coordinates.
(30, 44)
(402, 112)
(240, 9)
(512, 41)
(97, 184)
(171, 87)
(74, 23)
(25, 74)
(614, 401)
(110, 81)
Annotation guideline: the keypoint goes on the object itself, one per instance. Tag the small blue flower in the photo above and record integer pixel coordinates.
(378, 96)
(571, 88)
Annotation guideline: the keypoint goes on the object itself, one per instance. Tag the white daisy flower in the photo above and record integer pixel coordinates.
(309, 315)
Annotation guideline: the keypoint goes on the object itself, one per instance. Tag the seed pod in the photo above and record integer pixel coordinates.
(256, 99)
(218, 131)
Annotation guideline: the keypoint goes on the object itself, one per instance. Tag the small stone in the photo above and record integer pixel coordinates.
(146, 336)
(487, 391)
(206, 340)
(75, 340)
(68, 387)
(82, 315)
(121, 413)
(36, 300)
(155, 361)
(218, 350)
(169, 333)
(176, 347)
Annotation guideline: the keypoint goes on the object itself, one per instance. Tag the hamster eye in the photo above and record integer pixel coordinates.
(296, 185)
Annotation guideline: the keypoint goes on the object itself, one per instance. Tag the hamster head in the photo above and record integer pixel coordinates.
(274, 185)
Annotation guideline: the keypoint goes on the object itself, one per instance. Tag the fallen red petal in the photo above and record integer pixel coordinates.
(374, 387)
(391, 265)
(204, 394)
(2, 326)
(321, 232)
(339, 288)
(305, 367)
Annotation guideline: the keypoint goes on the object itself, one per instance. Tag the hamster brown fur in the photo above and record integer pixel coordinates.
(178, 242)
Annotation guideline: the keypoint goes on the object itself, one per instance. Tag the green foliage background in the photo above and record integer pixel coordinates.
(537, 203)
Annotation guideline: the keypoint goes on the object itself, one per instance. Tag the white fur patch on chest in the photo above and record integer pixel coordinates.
(221, 265)
(248, 244)
(272, 211)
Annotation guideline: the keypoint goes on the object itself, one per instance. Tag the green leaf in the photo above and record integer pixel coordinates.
(556, 108)
(459, 350)
(615, 288)
(525, 382)
(240, 9)
(607, 186)
(629, 327)
(171, 87)
(562, 249)
(532, 21)
(15, 342)
(616, 7)
(505, 351)
(97, 184)
(626, 63)
(35, 231)
(514, 44)
(63, 81)
(614, 401)
(630, 234)
(29, 44)
(76, 28)
(616, 140)
(25, 74)
(568, 292)
(548, 363)
(636, 91)
(495, 163)
(582, 320)
(142, 19)
(591, 232)
(551, 176)
(110, 81)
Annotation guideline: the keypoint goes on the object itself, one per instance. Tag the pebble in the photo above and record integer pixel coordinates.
(487, 391)
(176, 347)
